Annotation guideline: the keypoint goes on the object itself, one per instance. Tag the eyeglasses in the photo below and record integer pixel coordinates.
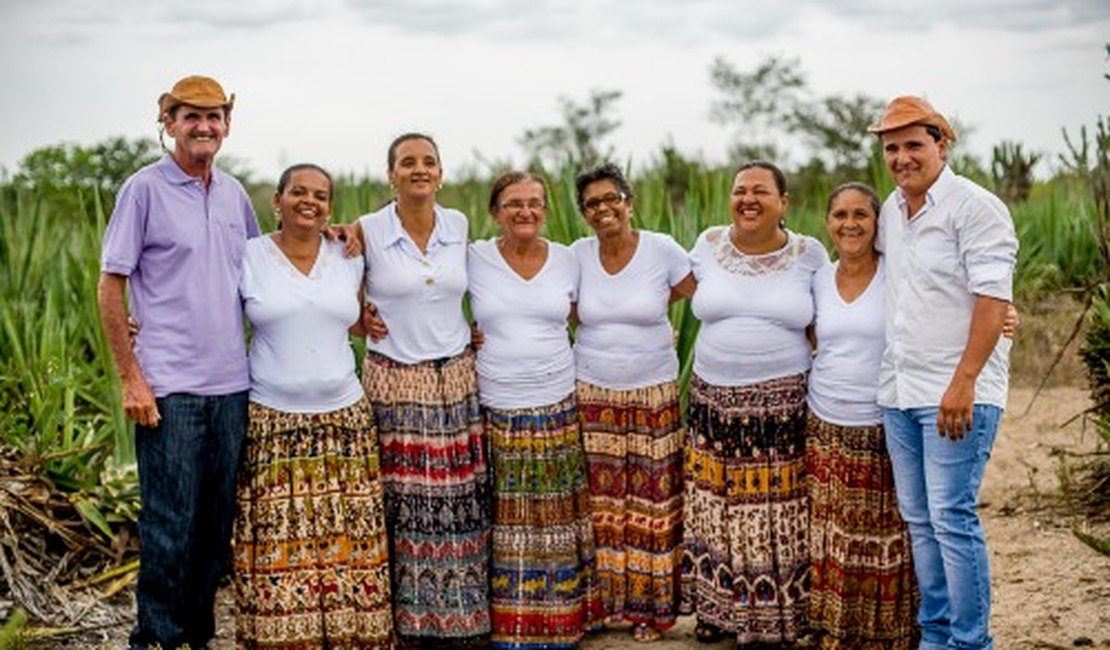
(516, 205)
(611, 199)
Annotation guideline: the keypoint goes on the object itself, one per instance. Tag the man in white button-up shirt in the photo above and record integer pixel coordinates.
(950, 248)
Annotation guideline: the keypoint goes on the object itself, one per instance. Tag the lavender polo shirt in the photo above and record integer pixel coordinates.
(181, 248)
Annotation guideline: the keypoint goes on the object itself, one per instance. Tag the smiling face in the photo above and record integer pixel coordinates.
(757, 203)
(914, 158)
(197, 132)
(305, 201)
(605, 208)
(521, 211)
(851, 224)
(416, 172)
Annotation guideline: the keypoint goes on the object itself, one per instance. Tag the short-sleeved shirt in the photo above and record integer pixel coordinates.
(754, 309)
(181, 247)
(300, 356)
(526, 359)
(961, 244)
(624, 339)
(844, 380)
(419, 295)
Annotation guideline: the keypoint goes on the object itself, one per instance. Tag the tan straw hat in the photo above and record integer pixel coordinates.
(908, 111)
(194, 90)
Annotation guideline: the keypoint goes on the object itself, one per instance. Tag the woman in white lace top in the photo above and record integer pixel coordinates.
(745, 558)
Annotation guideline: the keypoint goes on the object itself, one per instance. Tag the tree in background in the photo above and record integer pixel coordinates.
(1012, 171)
(576, 143)
(774, 99)
(103, 166)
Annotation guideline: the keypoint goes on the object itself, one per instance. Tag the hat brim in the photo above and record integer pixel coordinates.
(168, 102)
(898, 123)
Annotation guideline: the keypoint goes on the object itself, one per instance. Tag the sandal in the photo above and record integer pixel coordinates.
(707, 632)
(644, 633)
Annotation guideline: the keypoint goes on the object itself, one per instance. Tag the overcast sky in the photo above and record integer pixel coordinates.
(334, 82)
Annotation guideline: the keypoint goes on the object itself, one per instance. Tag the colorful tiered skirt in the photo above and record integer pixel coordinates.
(863, 593)
(311, 568)
(745, 559)
(634, 440)
(437, 494)
(543, 547)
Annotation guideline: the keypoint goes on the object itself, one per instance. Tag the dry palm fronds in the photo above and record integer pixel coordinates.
(55, 564)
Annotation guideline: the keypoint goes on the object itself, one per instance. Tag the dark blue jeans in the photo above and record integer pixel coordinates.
(187, 474)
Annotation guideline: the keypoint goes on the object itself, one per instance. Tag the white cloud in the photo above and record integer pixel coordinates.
(334, 82)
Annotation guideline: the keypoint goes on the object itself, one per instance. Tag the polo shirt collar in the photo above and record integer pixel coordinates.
(443, 232)
(174, 174)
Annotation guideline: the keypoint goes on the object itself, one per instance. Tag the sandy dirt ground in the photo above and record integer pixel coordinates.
(1049, 589)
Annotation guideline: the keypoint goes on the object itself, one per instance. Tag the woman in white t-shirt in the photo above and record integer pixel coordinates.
(863, 593)
(309, 517)
(628, 403)
(745, 561)
(522, 288)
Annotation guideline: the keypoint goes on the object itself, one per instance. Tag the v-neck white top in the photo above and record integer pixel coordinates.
(624, 339)
(526, 359)
(300, 357)
(844, 379)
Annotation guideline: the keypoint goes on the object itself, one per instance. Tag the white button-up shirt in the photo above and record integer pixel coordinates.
(419, 295)
(961, 244)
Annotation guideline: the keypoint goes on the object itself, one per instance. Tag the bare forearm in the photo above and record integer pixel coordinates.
(986, 326)
(138, 400)
(113, 317)
(685, 288)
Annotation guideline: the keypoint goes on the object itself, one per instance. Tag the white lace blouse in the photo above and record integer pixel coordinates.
(754, 309)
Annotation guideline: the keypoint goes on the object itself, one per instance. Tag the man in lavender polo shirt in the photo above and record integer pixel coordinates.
(177, 236)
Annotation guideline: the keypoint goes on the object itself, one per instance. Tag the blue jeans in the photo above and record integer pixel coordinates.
(937, 480)
(187, 475)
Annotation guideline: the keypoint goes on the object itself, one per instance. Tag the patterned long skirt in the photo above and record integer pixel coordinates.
(437, 494)
(745, 559)
(311, 568)
(863, 593)
(543, 547)
(633, 440)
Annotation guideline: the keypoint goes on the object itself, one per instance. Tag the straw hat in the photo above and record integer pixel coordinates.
(194, 90)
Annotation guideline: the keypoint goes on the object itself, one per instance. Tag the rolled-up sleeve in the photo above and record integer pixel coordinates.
(988, 247)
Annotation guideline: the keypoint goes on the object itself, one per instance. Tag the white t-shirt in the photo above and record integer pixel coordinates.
(844, 381)
(300, 358)
(754, 309)
(526, 359)
(624, 339)
(418, 295)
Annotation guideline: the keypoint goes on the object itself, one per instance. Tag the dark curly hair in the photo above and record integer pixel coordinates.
(607, 171)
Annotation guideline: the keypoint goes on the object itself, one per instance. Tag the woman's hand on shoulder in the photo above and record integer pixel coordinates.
(348, 233)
